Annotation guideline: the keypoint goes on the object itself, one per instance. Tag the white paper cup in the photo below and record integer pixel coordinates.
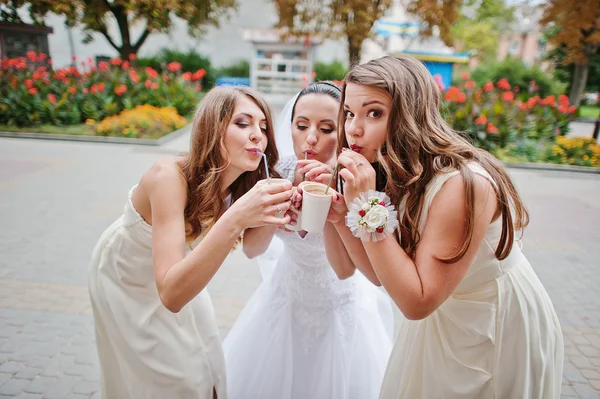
(265, 182)
(315, 206)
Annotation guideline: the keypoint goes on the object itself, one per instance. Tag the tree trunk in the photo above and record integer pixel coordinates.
(354, 52)
(126, 48)
(580, 77)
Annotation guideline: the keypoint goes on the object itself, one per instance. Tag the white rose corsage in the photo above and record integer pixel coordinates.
(371, 216)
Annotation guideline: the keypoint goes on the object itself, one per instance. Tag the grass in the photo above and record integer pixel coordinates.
(589, 111)
(75, 130)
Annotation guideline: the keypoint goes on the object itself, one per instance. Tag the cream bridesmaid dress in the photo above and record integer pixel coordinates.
(496, 336)
(146, 351)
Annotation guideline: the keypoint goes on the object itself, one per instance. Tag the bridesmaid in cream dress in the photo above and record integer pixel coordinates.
(481, 324)
(155, 327)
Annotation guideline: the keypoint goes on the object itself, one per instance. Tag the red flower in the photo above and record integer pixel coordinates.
(563, 100)
(72, 90)
(148, 84)
(379, 230)
(29, 83)
(482, 120)
(133, 75)
(132, 57)
(187, 76)
(492, 129)
(119, 91)
(571, 109)
(103, 65)
(52, 98)
(489, 86)
(465, 76)
(523, 106)
(151, 73)
(125, 65)
(94, 89)
(74, 58)
(174, 66)
(503, 84)
(32, 56)
(362, 212)
(470, 85)
(508, 96)
(101, 86)
(199, 74)
(154, 86)
(116, 61)
(382, 203)
(32, 91)
(85, 90)
(563, 109)
(461, 98)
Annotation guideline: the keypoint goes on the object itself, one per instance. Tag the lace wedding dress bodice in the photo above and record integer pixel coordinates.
(305, 333)
(308, 276)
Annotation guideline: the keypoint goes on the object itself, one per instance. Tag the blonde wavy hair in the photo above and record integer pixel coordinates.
(203, 165)
(420, 144)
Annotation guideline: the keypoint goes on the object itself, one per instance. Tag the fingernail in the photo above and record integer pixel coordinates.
(345, 149)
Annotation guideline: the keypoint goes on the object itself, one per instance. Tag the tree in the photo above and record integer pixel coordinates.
(155, 15)
(471, 25)
(335, 18)
(575, 29)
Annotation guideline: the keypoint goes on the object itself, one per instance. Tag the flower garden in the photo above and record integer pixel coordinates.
(118, 98)
(110, 99)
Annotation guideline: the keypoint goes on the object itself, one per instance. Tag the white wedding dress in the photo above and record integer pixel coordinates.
(305, 334)
(146, 351)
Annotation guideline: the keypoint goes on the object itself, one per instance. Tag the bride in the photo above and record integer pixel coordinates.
(307, 332)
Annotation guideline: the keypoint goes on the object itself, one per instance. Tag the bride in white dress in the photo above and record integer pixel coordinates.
(155, 327)
(305, 333)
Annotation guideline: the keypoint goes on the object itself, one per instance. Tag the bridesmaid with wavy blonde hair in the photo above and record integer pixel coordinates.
(155, 327)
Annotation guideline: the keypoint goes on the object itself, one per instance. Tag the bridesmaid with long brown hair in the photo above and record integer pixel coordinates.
(155, 327)
(437, 222)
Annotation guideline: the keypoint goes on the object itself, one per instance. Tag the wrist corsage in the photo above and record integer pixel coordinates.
(371, 216)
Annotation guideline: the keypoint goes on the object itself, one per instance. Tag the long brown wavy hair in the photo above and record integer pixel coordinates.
(203, 165)
(420, 144)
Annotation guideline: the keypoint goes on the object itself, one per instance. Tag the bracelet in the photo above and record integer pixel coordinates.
(371, 216)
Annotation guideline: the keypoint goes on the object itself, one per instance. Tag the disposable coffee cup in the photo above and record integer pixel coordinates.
(315, 206)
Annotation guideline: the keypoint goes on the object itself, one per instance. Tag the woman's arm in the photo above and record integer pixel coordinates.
(257, 240)
(180, 278)
(419, 287)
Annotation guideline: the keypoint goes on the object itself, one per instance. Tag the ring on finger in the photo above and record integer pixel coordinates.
(360, 163)
(279, 210)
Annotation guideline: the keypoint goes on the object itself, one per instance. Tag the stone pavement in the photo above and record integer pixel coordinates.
(57, 197)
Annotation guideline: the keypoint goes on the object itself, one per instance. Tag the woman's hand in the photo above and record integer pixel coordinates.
(314, 170)
(357, 173)
(265, 204)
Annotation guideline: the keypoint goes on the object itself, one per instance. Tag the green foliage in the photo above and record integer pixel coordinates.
(335, 70)
(517, 74)
(240, 68)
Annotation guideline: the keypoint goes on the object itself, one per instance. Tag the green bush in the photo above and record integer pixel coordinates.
(517, 74)
(190, 61)
(335, 70)
(240, 68)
